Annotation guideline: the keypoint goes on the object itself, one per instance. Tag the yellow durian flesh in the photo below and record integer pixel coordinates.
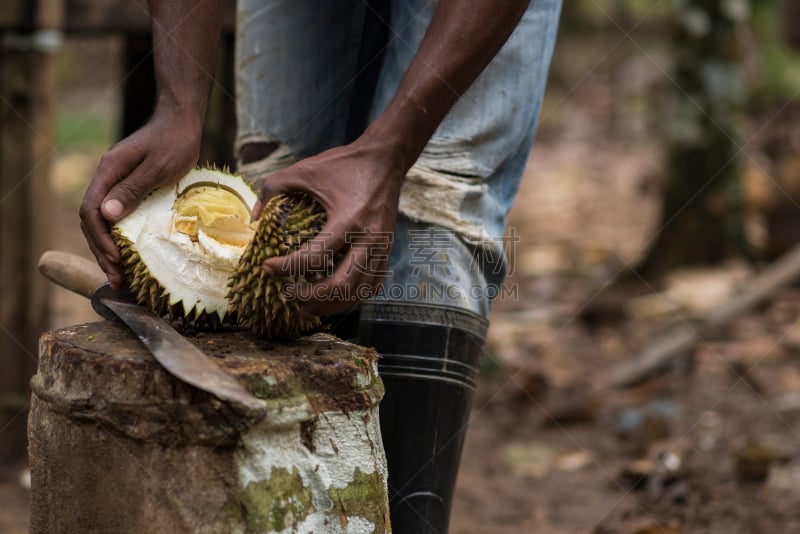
(216, 211)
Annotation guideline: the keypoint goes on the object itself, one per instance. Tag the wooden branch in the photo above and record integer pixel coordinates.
(663, 349)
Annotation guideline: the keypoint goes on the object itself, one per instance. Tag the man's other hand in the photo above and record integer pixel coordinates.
(359, 187)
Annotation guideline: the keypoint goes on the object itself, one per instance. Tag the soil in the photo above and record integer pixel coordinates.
(550, 448)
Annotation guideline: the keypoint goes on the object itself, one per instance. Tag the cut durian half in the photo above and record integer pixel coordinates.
(257, 301)
(183, 243)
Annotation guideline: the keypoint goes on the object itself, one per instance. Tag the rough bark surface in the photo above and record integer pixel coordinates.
(117, 444)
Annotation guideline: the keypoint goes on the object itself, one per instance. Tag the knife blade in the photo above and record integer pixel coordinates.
(174, 352)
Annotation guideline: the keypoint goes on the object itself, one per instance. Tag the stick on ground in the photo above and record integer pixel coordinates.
(663, 349)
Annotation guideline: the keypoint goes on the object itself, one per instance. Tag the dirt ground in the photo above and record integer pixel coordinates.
(550, 448)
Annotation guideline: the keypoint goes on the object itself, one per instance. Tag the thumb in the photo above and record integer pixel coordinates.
(112, 209)
(279, 182)
(126, 195)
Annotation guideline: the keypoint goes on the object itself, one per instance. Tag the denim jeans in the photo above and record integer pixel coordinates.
(308, 78)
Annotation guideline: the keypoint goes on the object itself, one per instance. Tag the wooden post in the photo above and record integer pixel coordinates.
(139, 85)
(119, 445)
(29, 39)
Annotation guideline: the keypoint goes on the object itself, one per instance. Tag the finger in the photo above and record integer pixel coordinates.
(264, 194)
(127, 194)
(95, 228)
(274, 184)
(371, 282)
(373, 264)
(256, 212)
(114, 166)
(313, 256)
(365, 281)
(349, 284)
(112, 270)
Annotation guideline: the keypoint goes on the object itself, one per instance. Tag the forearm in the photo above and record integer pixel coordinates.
(462, 39)
(185, 39)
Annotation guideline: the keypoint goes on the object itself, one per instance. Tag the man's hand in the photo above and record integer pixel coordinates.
(160, 153)
(359, 187)
(185, 38)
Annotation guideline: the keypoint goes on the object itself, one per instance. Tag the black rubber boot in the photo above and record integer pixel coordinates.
(429, 366)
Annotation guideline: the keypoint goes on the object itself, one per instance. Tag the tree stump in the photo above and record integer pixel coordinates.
(119, 445)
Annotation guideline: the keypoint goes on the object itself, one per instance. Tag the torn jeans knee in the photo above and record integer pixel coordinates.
(260, 155)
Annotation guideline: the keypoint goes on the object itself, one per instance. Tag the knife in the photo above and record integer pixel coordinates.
(174, 352)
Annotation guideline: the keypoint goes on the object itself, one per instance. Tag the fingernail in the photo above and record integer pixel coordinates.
(112, 258)
(256, 211)
(113, 208)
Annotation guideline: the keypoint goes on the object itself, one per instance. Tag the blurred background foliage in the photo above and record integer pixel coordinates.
(716, 82)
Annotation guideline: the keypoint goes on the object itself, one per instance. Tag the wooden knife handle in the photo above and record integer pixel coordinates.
(72, 272)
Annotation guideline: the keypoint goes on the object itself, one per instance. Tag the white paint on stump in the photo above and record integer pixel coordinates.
(342, 444)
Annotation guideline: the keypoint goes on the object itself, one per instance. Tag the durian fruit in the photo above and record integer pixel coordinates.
(256, 300)
(190, 251)
(182, 244)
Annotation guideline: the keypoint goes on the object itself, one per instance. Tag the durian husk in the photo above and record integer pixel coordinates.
(257, 301)
(149, 293)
